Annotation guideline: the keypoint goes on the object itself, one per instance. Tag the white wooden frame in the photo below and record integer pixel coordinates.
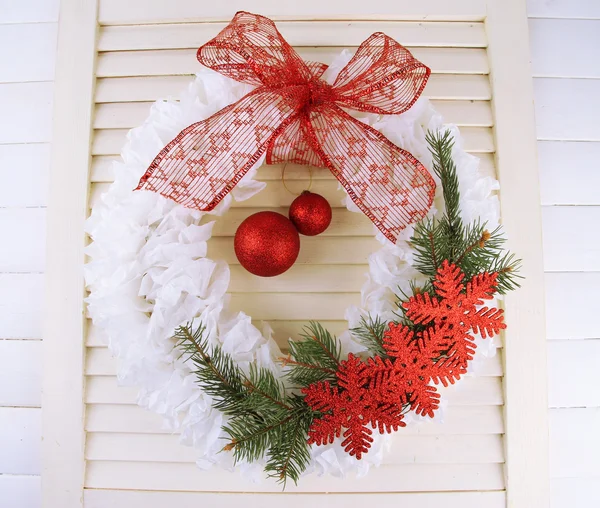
(526, 439)
(63, 447)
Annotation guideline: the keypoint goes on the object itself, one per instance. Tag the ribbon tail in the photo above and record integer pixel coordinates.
(387, 183)
(207, 159)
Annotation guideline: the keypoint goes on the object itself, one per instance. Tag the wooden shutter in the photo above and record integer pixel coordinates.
(115, 58)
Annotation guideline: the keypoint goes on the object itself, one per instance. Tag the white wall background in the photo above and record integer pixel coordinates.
(27, 55)
(565, 38)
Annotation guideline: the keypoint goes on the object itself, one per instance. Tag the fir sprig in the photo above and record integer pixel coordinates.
(473, 248)
(369, 333)
(314, 358)
(265, 420)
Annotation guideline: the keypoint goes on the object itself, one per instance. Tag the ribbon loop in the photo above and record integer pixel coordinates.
(295, 116)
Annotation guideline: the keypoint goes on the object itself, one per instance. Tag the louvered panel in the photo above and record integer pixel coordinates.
(390, 478)
(99, 362)
(471, 391)
(124, 499)
(469, 87)
(458, 420)
(147, 52)
(126, 115)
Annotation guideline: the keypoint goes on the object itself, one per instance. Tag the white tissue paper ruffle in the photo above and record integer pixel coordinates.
(148, 272)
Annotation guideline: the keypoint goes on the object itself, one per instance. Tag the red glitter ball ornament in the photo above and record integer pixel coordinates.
(266, 244)
(310, 213)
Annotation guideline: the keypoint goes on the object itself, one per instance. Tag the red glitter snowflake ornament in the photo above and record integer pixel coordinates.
(455, 311)
(352, 406)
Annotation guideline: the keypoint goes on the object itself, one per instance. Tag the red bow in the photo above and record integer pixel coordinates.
(297, 117)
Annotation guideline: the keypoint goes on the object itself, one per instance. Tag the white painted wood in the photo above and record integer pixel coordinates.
(574, 443)
(571, 306)
(566, 109)
(29, 106)
(113, 12)
(99, 362)
(575, 493)
(20, 440)
(563, 9)
(20, 373)
(458, 420)
(297, 33)
(525, 386)
(183, 61)
(569, 172)
(21, 298)
(31, 56)
(24, 168)
(126, 115)
(573, 373)
(23, 233)
(64, 435)
(471, 391)
(28, 11)
(465, 449)
(102, 168)
(569, 248)
(22, 491)
(111, 141)
(124, 499)
(399, 478)
(564, 48)
(140, 89)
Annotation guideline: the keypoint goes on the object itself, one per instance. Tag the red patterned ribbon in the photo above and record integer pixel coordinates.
(297, 117)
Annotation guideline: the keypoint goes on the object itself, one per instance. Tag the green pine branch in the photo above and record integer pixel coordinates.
(471, 247)
(314, 358)
(265, 420)
(369, 333)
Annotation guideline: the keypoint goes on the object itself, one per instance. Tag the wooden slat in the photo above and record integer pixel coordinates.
(23, 233)
(571, 54)
(458, 420)
(471, 391)
(581, 9)
(282, 331)
(465, 449)
(33, 58)
(126, 499)
(400, 478)
(183, 61)
(21, 490)
(134, 12)
(574, 443)
(297, 33)
(140, 89)
(126, 115)
(20, 373)
(99, 362)
(274, 195)
(20, 431)
(21, 305)
(568, 248)
(102, 170)
(564, 109)
(32, 161)
(111, 141)
(29, 107)
(573, 373)
(577, 186)
(571, 307)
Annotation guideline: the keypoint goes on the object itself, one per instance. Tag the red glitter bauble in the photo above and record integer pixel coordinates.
(266, 244)
(310, 213)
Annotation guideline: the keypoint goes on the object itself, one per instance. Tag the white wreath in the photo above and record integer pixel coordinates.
(148, 272)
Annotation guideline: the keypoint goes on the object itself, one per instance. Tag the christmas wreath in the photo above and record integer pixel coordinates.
(430, 293)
